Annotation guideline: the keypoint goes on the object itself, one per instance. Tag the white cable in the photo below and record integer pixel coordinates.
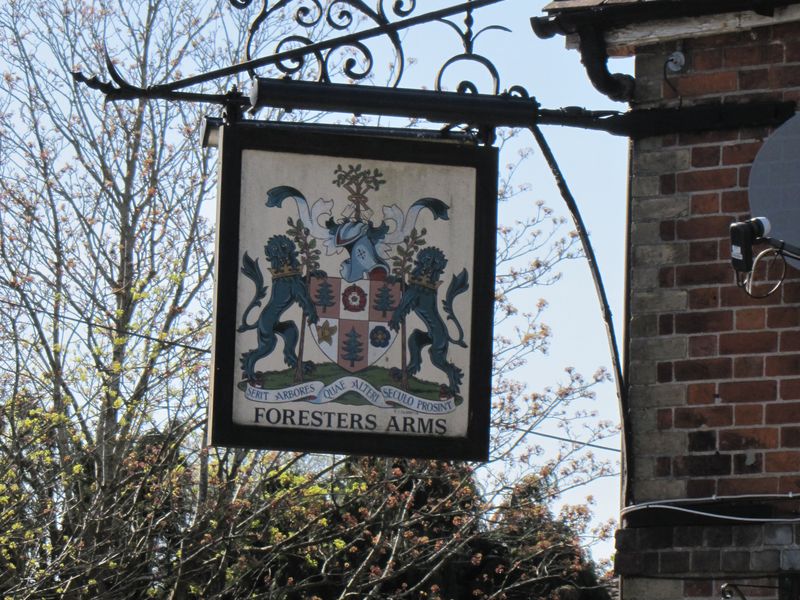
(716, 498)
(702, 513)
(749, 280)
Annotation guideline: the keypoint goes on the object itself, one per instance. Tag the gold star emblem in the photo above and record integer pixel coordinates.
(325, 332)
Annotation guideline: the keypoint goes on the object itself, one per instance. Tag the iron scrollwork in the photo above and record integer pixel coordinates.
(300, 56)
(340, 16)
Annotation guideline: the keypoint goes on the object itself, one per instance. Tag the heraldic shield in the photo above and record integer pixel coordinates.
(353, 329)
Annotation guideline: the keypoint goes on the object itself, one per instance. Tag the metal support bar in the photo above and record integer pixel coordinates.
(510, 110)
(440, 107)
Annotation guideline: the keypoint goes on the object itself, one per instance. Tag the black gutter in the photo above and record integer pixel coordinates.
(594, 56)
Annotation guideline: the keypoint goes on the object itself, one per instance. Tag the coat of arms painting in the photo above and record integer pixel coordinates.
(355, 297)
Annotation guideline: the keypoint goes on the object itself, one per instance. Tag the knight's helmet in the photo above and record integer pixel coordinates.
(364, 260)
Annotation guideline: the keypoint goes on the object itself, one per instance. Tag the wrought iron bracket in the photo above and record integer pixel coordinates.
(513, 107)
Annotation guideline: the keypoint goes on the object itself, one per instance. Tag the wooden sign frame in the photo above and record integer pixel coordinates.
(331, 245)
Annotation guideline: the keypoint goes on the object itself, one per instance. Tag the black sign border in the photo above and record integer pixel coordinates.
(346, 143)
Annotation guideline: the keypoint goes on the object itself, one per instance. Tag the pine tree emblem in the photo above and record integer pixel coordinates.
(352, 347)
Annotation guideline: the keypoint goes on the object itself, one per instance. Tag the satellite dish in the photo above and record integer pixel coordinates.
(774, 187)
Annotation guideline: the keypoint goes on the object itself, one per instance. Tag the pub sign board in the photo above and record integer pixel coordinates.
(354, 293)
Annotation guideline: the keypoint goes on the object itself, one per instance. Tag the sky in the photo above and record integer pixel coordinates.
(595, 167)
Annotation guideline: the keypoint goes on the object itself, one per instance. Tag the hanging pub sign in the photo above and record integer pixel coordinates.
(354, 292)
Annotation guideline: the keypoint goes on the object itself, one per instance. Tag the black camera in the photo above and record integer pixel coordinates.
(743, 236)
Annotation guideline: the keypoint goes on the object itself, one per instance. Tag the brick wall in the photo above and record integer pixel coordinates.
(713, 375)
(712, 555)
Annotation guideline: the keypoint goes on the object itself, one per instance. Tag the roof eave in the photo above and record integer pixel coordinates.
(566, 17)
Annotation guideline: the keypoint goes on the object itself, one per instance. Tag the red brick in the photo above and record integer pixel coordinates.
(792, 49)
(791, 292)
(705, 203)
(735, 201)
(746, 439)
(747, 485)
(751, 318)
(707, 179)
(700, 369)
(785, 364)
(791, 272)
(790, 30)
(666, 324)
(704, 322)
(664, 372)
(664, 418)
(783, 413)
(707, 60)
(784, 76)
(748, 391)
(790, 437)
(701, 298)
(703, 251)
(667, 230)
(754, 79)
(703, 465)
(704, 227)
(706, 416)
(703, 345)
(725, 250)
(701, 488)
(790, 389)
(752, 55)
(705, 156)
(701, 393)
(789, 484)
(748, 414)
(708, 137)
(702, 441)
(703, 84)
(666, 184)
(739, 154)
(748, 343)
(783, 316)
(663, 467)
(721, 273)
(666, 277)
(735, 296)
(747, 367)
(790, 341)
(744, 176)
(782, 462)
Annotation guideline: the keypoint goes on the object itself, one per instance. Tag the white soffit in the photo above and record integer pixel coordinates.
(665, 30)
